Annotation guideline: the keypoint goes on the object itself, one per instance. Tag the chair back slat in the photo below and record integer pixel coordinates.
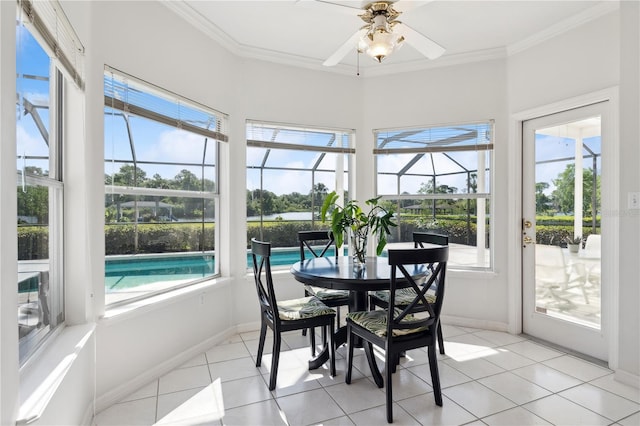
(261, 256)
(420, 238)
(400, 262)
(318, 243)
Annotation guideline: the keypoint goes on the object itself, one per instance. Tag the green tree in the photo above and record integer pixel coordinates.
(33, 200)
(563, 195)
(543, 201)
(428, 188)
(158, 181)
(262, 202)
(187, 180)
(318, 194)
(129, 175)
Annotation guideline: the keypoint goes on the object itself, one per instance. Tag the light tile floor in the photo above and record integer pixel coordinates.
(487, 377)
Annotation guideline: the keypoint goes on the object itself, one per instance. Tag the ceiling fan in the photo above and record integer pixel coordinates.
(383, 33)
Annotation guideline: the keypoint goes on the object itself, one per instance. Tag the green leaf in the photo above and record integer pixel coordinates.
(328, 202)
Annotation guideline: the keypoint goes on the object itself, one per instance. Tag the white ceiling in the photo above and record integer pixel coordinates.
(306, 32)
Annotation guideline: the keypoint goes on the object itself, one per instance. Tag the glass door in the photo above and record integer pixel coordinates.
(561, 232)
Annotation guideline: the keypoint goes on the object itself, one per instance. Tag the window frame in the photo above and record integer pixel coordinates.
(342, 180)
(486, 195)
(54, 296)
(213, 140)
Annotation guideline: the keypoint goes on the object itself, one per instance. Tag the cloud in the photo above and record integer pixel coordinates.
(29, 144)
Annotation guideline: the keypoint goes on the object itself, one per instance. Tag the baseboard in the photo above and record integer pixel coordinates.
(627, 378)
(474, 323)
(247, 327)
(113, 396)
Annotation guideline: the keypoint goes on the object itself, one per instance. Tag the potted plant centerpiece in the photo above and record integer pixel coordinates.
(573, 244)
(351, 219)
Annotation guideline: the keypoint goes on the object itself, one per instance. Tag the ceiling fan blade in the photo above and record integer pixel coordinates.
(342, 51)
(421, 43)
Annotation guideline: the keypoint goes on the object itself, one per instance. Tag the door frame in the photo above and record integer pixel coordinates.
(610, 202)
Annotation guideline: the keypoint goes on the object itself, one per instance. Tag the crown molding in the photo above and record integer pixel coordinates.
(374, 70)
(564, 26)
(443, 61)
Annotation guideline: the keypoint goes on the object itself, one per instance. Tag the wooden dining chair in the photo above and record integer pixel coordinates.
(381, 298)
(286, 315)
(319, 244)
(401, 329)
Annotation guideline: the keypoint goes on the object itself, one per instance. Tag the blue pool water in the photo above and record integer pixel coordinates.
(133, 271)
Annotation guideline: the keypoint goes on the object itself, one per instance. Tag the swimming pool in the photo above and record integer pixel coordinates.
(127, 272)
(133, 271)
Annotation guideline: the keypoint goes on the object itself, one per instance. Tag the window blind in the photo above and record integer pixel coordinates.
(444, 138)
(48, 23)
(286, 136)
(132, 95)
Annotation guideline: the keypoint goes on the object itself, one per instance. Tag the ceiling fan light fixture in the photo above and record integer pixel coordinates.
(383, 34)
(381, 44)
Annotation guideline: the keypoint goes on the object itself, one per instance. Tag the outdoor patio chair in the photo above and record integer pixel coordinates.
(286, 315)
(404, 296)
(400, 329)
(555, 277)
(592, 247)
(319, 244)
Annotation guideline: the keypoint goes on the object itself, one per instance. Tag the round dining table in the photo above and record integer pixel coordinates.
(342, 273)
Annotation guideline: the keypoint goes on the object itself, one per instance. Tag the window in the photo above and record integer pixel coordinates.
(290, 170)
(161, 178)
(439, 179)
(41, 85)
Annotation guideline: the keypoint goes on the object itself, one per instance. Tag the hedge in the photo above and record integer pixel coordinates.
(184, 237)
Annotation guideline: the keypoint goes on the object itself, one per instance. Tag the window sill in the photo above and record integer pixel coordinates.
(41, 376)
(479, 273)
(140, 306)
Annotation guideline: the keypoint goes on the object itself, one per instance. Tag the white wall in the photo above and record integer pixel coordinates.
(584, 60)
(629, 245)
(146, 40)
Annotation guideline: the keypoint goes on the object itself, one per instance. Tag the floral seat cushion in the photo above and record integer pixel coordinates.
(305, 307)
(376, 322)
(404, 296)
(326, 293)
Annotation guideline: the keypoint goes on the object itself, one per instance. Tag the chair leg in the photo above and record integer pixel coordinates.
(312, 339)
(332, 350)
(389, 370)
(263, 333)
(347, 377)
(435, 376)
(275, 357)
(371, 359)
(440, 338)
(324, 335)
